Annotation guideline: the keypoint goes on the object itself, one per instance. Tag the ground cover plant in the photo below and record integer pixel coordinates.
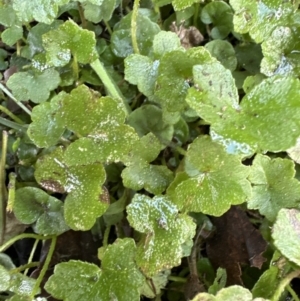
(150, 150)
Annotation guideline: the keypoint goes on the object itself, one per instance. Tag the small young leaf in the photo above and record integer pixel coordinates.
(141, 71)
(286, 234)
(223, 52)
(11, 35)
(33, 86)
(34, 205)
(153, 178)
(165, 232)
(217, 179)
(182, 4)
(149, 119)
(69, 40)
(220, 14)
(96, 12)
(165, 41)
(46, 127)
(249, 56)
(273, 186)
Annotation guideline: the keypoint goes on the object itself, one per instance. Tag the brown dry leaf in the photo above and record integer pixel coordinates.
(236, 242)
(189, 37)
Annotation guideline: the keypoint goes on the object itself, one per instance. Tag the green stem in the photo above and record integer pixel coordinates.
(292, 293)
(24, 267)
(3, 191)
(32, 254)
(108, 27)
(283, 283)
(11, 191)
(19, 103)
(44, 268)
(109, 84)
(134, 26)
(196, 14)
(105, 236)
(22, 236)
(11, 115)
(177, 279)
(82, 18)
(12, 124)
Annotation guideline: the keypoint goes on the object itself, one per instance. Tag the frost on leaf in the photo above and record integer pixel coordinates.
(286, 234)
(268, 116)
(281, 52)
(262, 17)
(165, 232)
(274, 186)
(214, 91)
(216, 180)
(44, 11)
(232, 293)
(82, 183)
(33, 86)
(118, 279)
(69, 40)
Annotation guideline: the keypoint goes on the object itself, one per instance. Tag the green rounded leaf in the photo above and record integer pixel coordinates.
(141, 71)
(260, 18)
(273, 186)
(153, 178)
(165, 41)
(69, 40)
(11, 35)
(217, 179)
(219, 14)
(282, 52)
(82, 183)
(286, 234)
(166, 232)
(110, 144)
(121, 41)
(46, 127)
(223, 52)
(83, 102)
(149, 118)
(44, 11)
(33, 86)
(268, 116)
(34, 205)
(118, 279)
(96, 12)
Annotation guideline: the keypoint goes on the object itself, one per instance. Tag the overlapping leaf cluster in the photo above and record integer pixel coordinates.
(193, 131)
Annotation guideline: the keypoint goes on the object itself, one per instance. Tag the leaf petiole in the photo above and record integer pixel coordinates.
(109, 84)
